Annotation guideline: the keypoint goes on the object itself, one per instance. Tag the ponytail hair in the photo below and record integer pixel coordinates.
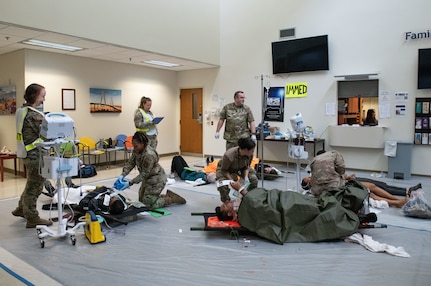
(32, 92)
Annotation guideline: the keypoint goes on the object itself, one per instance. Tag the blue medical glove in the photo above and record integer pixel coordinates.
(121, 184)
(217, 135)
(253, 137)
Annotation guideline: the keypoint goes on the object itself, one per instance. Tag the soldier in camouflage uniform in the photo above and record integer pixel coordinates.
(143, 119)
(236, 163)
(151, 174)
(327, 170)
(239, 121)
(28, 121)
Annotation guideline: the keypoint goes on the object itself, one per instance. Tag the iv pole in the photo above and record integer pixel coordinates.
(262, 122)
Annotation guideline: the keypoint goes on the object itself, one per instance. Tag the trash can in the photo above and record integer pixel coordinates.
(399, 167)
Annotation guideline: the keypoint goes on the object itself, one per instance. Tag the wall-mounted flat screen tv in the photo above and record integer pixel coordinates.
(424, 69)
(300, 55)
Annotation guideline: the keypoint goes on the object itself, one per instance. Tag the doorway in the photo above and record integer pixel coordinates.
(191, 121)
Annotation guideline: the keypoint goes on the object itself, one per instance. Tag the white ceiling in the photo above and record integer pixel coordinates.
(11, 37)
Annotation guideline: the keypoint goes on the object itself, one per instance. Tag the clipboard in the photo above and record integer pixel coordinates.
(157, 120)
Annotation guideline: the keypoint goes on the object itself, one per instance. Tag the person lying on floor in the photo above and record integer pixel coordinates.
(50, 190)
(328, 171)
(151, 174)
(105, 200)
(180, 168)
(376, 193)
(286, 216)
(255, 164)
(267, 169)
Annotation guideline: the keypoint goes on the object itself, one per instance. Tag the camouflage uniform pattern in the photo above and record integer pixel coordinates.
(34, 184)
(235, 165)
(151, 174)
(237, 120)
(327, 171)
(142, 124)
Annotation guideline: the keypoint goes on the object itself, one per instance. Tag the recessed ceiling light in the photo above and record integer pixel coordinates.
(51, 45)
(160, 63)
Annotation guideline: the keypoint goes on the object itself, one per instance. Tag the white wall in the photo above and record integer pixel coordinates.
(364, 37)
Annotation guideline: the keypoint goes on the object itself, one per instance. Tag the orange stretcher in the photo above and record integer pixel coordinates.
(213, 223)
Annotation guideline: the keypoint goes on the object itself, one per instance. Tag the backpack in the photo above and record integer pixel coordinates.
(86, 171)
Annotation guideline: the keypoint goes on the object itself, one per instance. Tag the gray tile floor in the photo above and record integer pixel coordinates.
(164, 250)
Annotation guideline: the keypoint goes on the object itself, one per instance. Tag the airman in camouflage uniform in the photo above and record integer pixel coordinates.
(151, 174)
(327, 170)
(235, 164)
(143, 119)
(28, 127)
(239, 121)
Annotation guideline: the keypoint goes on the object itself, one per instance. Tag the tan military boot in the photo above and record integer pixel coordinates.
(31, 223)
(18, 212)
(174, 198)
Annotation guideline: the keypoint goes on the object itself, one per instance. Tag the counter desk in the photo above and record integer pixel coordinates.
(273, 152)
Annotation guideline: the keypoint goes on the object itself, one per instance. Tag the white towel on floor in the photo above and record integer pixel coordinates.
(378, 204)
(375, 246)
(170, 181)
(199, 181)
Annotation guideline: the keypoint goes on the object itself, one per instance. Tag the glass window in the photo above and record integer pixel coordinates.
(355, 97)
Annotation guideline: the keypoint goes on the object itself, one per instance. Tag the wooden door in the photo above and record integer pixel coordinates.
(191, 121)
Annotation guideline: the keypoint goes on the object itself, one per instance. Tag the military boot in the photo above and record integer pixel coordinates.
(172, 198)
(31, 223)
(18, 212)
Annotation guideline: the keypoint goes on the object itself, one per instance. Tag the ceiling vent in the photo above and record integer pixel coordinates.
(286, 33)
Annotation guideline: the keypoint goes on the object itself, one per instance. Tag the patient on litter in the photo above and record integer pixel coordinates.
(86, 198)
(104, 199)
(286, 216)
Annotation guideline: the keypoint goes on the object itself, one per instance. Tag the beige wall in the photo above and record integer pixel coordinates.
(56, 71)
(11, 73)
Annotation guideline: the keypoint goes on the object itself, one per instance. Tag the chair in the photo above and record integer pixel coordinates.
(128, 147)
(120, 142)
(69, 150)
(87, 147)
(105, 145)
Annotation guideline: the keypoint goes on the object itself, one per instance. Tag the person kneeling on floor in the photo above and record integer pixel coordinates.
(151, 174)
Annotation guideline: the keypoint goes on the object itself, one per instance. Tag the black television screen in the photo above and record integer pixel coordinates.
(424, 69)
(299, 55)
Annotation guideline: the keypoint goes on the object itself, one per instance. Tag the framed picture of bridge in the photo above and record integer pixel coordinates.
(105, 100)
